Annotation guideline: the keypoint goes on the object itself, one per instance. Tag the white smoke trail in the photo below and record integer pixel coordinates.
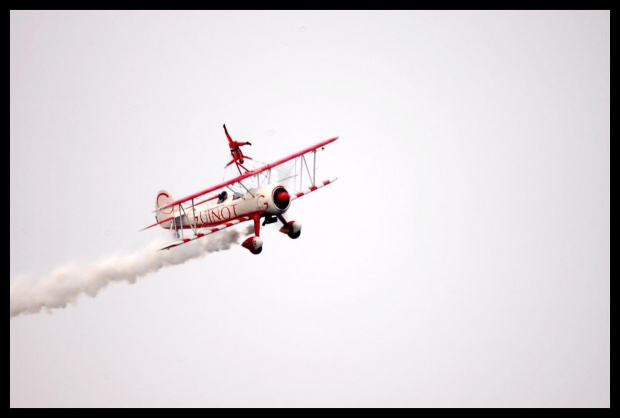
(64, 285)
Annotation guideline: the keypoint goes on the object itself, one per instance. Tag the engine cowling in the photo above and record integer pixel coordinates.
(254, 244)
(281, 198)
(272, 199)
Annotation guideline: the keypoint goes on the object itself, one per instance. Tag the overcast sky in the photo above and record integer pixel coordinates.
(462, 258)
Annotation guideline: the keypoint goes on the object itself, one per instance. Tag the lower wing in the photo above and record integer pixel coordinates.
(309, 190)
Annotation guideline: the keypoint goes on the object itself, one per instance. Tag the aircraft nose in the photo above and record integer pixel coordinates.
(283, 197)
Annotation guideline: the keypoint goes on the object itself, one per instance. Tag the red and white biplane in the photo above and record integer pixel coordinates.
(255, 194)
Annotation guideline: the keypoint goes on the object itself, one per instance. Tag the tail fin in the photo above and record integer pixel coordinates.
(163, 197)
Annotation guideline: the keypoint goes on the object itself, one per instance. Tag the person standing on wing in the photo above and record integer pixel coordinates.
(236, 153)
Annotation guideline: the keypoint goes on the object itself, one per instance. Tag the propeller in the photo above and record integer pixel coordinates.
(281, 198)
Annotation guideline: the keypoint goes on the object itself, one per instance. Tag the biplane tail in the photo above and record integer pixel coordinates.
(164, 216)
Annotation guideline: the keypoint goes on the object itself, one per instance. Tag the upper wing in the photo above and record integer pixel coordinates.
(248, 174)
(206, 232)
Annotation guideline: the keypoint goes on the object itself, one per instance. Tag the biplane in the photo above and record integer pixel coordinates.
(265, 192)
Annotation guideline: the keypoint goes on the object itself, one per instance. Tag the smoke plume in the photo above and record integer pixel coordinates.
(64, 285)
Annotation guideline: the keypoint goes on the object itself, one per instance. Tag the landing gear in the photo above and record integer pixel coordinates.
(292, 228)
(269, 219)
(255, 243)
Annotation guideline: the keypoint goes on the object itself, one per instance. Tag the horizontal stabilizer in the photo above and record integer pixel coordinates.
(174, 244)
(158, 223)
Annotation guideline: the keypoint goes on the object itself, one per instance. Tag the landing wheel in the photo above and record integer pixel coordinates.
(294, 235)
(257, 251)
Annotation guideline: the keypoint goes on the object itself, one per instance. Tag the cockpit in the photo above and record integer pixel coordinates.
(222, 197)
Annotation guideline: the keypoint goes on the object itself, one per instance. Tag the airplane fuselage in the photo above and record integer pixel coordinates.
(257, 202)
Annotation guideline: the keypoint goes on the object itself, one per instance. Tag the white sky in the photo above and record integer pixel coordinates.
(462, 258)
